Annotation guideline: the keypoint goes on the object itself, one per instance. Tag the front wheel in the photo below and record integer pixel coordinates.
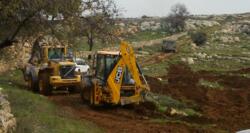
(74, 89)
(44, 86)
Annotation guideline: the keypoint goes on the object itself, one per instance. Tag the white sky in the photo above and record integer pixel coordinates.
(137, 8)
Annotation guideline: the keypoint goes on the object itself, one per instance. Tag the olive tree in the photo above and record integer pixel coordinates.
(98, 21)
(28, 17)
(175, 21)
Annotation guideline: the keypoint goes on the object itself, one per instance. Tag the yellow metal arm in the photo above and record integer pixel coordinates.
(126, 59)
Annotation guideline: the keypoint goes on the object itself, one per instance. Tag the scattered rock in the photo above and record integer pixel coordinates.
(190, 61)
(145, 118)
(174, 112)
(201, 55)
(184, 60)
(193, 46)
(237, 39)
(229, 39)
(160, 79)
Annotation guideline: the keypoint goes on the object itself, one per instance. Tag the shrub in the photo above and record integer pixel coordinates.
(199, 38)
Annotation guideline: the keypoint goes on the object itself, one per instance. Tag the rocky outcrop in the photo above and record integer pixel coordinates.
(7, 119)
(195, 24)
(132, 26)
(150, 25)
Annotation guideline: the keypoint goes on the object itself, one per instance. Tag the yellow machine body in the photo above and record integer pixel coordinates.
(54, 70)
(113, 89)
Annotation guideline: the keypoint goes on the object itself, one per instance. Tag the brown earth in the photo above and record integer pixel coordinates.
(117, 119)
(228, 108)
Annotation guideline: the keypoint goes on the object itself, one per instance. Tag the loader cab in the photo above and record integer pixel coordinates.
(53, 53)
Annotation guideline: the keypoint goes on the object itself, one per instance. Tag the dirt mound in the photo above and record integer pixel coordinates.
(243, 71)
(228, 108)
(182, 84)
(235, 82)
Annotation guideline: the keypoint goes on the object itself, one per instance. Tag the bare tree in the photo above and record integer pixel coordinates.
(175, 22)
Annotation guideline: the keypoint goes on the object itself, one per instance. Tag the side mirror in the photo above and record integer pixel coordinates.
(89, 57)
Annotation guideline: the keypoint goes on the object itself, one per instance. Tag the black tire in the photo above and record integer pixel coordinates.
(85, 95)
(32, 83)
(44, 85)
(74, 89)
(85, 92)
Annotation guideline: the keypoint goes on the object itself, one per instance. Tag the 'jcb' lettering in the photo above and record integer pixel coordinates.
(118, 75)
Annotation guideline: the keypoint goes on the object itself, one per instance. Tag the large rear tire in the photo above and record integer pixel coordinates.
(74, 89)
(44, 85)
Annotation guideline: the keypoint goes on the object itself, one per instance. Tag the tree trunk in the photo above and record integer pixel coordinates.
(5, 43)
(90, 41)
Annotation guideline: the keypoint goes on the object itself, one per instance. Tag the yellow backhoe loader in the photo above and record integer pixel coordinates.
(117, 79)
(49, 69)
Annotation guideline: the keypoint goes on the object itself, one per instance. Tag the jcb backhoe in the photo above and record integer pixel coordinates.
(117, 79)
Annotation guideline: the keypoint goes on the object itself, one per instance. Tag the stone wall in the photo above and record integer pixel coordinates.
(7, 119)
(14, 57)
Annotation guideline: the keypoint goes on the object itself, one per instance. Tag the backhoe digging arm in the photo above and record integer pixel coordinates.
(115, 79)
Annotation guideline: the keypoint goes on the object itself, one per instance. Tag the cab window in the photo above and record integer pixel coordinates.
(55, 53)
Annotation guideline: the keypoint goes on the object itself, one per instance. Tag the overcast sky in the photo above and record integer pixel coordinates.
(137, 8)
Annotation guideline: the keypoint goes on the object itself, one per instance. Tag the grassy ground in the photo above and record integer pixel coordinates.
(80, 44)
(36, 114)
(146, 36)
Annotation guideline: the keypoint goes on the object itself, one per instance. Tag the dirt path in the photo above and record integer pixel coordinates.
(155, 58)
(151, 42)
(116, 119)
(157, 41)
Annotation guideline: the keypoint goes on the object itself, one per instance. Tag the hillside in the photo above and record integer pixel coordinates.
(198, 89)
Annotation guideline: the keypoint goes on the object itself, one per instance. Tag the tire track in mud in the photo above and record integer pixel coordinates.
(114, 119)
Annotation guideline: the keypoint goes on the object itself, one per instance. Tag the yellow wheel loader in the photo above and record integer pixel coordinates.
(49, 69)
(117, 79)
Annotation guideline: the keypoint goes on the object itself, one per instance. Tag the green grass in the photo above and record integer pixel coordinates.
(209, 84)
(36, 114)
(156, 69)
(145, 36)
(80, 44)
(163, 103)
